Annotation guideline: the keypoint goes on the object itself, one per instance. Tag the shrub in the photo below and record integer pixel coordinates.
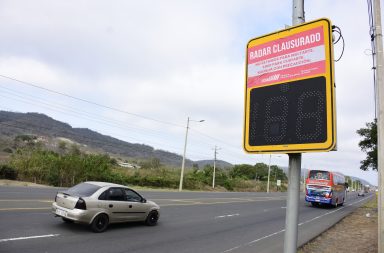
(7, 172)
(8, 150)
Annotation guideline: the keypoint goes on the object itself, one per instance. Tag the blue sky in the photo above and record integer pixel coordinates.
(167, 60)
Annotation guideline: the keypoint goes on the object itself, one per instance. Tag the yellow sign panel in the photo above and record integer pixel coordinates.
(289, 91)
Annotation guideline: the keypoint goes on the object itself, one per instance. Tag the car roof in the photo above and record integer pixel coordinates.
(104, 184)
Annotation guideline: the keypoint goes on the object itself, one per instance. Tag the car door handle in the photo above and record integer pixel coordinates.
(110, 205)
(130, 206)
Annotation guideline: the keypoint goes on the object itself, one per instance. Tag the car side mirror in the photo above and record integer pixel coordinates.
(143, 200)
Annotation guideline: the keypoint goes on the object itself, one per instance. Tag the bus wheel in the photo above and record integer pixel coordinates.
(336, 204)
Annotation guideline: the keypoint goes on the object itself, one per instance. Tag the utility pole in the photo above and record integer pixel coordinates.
(294, 171)
(185, 150)
(269, 172)
(378, 39)
(183, 162)
(214, 168)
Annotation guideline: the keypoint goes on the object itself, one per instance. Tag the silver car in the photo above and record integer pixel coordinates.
(99, 204)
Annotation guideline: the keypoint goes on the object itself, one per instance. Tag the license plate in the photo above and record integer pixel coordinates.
(61, 212)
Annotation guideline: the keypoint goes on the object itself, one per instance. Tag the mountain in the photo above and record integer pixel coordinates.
(51, 132)
(219, 164)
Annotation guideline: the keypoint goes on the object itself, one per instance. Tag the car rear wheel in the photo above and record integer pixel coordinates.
(152, 218)
(100, 223)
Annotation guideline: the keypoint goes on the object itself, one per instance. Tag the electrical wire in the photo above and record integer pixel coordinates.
(88, 101)
(337, 30)
(88, 141)
(79, 113)
(372, 36)
(76, 112)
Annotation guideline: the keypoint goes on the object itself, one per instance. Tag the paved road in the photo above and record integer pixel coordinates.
(190, 222)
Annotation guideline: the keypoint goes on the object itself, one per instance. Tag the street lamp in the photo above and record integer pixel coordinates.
(185, 149)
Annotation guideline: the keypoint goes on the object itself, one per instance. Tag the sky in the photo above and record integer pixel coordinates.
(136, 70)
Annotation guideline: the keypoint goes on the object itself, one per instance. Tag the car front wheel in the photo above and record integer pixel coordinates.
(100, 223)
(152, 218)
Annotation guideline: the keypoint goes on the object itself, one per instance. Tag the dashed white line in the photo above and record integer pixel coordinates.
(227, 215)
(28, 237)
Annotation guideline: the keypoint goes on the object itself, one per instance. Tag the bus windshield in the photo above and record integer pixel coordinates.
(319, 174)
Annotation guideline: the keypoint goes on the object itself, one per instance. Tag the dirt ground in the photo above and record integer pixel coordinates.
(6, 182)
(357, 232)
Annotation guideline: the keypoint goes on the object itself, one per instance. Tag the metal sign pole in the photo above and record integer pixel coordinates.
(292, 210)
(294, 173)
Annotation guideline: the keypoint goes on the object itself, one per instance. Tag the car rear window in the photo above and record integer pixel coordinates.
(82, 190)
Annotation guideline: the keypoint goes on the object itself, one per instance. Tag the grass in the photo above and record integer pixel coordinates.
(372, 203)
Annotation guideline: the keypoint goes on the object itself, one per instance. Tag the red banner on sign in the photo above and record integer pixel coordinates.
(289, 58)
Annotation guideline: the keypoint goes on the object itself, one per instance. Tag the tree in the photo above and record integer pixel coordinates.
(261, 171)
(277, 173)
(369, 145)
(245, 171)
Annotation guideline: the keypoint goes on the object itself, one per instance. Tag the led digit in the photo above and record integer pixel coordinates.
(254, 116)
(275, 127)
(311, 106)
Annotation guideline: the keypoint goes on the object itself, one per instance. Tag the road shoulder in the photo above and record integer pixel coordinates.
(356, 232)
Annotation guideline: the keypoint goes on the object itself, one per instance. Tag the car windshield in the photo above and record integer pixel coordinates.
(82, 190)
(318, 174)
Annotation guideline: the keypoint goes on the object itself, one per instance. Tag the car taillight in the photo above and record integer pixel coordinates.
(81, 204)
(328, 195)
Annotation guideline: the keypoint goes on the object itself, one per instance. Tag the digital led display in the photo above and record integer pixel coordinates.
(288, 113)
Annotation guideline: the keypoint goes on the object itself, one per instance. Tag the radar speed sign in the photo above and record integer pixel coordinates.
(289, 91)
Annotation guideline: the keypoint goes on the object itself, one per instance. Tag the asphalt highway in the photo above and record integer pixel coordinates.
(190, 222)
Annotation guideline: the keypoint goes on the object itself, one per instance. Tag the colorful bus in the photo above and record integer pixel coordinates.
(325, 187)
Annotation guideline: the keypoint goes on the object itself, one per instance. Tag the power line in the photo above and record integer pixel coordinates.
(76, 112)
(100, 105)
(372, 35)
(88, 102)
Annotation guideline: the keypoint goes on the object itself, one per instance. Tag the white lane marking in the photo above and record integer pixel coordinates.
(29, 237)
(283, 230)
(25, 208)
(254, 241)
(26, 200)
(228, 215)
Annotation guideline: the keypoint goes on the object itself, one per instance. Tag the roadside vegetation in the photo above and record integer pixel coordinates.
(69, 166)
